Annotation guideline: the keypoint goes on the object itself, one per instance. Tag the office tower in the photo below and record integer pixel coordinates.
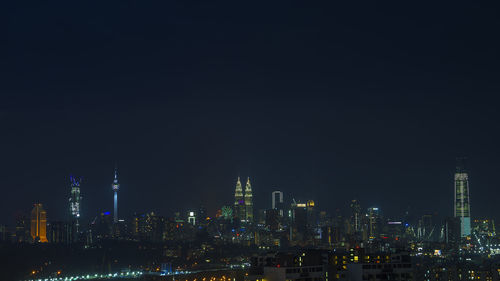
(355, 216)
(75, 204)
(115, 186)
(202, 213)
(191, 218)
(151, 227)
(3, 233)
(451, 232)
(102, 226)
(462, 203)
(277, 202)
(373, 222)
(298, 212)
(248, 202)
(202, 216)
(272, 220)
(312, 219)
(239, 202)
(75, 198)
(22, 229)
(260, 216)
(60, 232)
(427, 230)
(39, 224)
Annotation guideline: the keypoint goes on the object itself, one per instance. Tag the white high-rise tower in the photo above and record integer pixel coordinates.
(277, 201)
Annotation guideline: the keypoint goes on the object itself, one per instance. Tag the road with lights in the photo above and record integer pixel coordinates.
(226, 274)
(128, 275)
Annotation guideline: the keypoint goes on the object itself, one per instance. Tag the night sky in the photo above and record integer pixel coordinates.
(323, 101)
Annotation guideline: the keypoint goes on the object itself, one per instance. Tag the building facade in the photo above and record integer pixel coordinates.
(248, 202)
(322, 265)
(355, 216)
(243, 202)
(462, 202)
(277, 202)
(75, 205)
(75, 197)
(239, 202)
(39, 224)
(373, 222)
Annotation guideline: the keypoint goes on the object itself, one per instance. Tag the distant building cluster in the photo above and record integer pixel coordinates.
(292, 239)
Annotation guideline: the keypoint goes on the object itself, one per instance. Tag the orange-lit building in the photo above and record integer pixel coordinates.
(39, 224)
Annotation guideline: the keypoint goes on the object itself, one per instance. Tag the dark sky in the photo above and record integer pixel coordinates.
(324, 101)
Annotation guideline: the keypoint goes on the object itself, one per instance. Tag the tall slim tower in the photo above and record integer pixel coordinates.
(248, 202)
(115, 186)
(462, 203)
(355, 215)
(373, 222)
(75, 204)
(239, 202)
(277, 201)
(39, 224)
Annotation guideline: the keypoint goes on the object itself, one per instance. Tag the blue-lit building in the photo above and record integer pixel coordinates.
(75, 202)
(115, 186)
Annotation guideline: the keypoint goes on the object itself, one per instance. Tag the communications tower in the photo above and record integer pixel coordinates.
(115, 186)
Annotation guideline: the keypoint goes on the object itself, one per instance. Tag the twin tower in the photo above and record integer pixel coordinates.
(243, 204)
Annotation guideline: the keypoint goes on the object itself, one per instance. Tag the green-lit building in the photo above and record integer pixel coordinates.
(462, 202)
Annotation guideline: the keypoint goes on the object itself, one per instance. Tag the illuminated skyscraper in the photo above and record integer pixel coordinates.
(373, 222)
(298, 216)
(277, 202)
(115, 186)
(22, 229)
(75, 204)
(39, 224)
(239, 202)
(462, 203)
(191, 217)
(248, 202)
(355, 215)
(311, 214)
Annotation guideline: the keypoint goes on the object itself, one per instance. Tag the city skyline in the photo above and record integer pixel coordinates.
(306, 98)
(241, 198)
(276, 141)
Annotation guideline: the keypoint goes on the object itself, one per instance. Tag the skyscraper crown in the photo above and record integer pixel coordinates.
(238, 192)
(74, 181)
(248, 187)
(115, 184)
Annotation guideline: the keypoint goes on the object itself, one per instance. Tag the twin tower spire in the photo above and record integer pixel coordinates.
(243, 204)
